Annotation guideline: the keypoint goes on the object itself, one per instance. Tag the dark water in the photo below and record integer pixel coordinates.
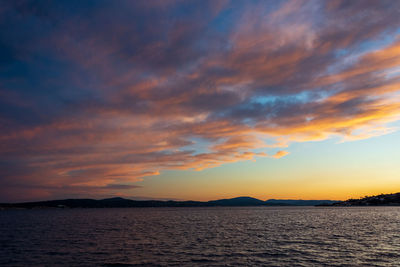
(260, 236)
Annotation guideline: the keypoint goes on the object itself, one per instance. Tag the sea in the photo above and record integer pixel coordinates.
(201, 236)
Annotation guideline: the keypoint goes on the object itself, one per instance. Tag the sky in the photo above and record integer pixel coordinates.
(199, 100)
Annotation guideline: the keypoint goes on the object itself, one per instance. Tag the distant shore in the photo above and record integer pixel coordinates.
(118, 202)
(378, 200)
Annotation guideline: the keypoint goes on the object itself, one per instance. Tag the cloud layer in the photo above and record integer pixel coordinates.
(96, 96)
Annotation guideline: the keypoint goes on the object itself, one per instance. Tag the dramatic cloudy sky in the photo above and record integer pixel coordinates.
(199, 99)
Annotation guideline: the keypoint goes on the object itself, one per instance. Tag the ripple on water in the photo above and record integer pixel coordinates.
(268, 236)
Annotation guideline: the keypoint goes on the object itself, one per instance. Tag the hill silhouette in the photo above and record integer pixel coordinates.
(118, 202)
(237, 201)
(298, 202)
(378, 200)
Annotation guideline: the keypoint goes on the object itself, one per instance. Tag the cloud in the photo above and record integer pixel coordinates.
(280, 154)
(97, 96)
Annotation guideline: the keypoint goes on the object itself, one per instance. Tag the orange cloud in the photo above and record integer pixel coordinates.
(280, 154)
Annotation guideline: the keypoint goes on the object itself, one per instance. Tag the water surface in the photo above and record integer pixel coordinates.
(213, 236)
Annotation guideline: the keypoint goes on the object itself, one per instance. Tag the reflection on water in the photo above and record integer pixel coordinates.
(271, 236)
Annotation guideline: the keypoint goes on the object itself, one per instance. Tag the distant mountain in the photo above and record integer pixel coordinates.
(118, 202)
(237, 201)
(299, 202)
(379, 200)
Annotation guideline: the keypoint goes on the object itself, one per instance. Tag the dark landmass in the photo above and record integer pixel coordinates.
(118, 202)
(238, 201)
(299, 202)
(379, 200)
